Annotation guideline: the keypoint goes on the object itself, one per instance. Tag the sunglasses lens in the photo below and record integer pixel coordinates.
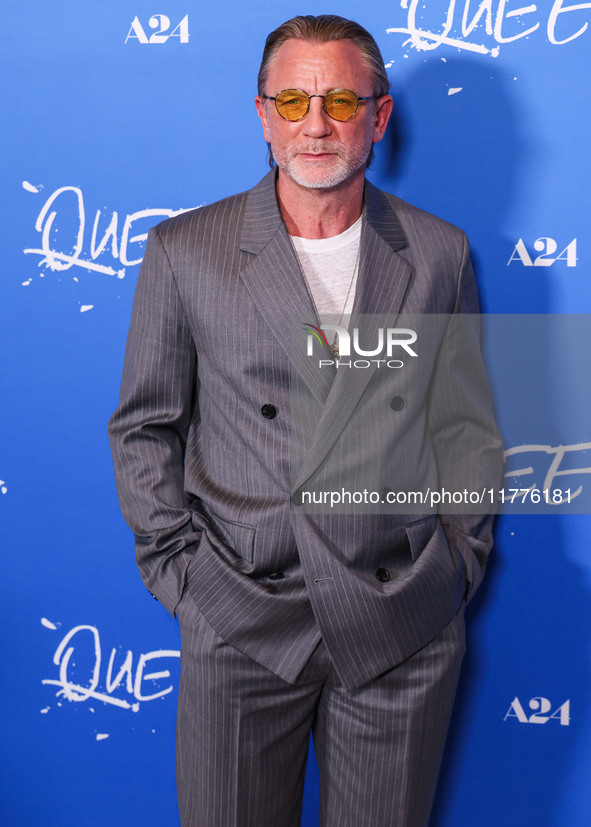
(341, 104)
(292, 104)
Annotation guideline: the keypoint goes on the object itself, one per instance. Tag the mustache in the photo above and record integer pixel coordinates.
(319, 148)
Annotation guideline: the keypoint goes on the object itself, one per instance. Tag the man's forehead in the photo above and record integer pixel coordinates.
(298, 56)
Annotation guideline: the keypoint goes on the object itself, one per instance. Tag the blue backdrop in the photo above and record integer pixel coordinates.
(119, 114)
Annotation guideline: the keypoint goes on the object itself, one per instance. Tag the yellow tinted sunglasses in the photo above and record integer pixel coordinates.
(339, 104)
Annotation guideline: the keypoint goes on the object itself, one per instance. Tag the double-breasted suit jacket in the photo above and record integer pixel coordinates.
(202, 438)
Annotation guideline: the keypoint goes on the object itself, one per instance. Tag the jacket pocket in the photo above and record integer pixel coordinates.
(239, 537)
(419, 533)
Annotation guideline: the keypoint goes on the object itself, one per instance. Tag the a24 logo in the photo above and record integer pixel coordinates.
(161, 23)
(547, 248)
(541, 712)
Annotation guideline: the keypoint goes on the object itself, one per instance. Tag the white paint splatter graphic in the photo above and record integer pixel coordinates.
(86, 307)
(484, 29)
(47, 623)
(454, 90)
(111, 240)
(31, 187)
(3, 487)
(129, 676)
(100, 736)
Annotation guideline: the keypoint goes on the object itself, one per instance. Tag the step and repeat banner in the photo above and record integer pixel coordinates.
(117, 115)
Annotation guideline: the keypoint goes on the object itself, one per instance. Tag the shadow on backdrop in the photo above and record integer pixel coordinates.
(467, 157)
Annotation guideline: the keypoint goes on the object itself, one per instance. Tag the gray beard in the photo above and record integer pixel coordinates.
(351, 160)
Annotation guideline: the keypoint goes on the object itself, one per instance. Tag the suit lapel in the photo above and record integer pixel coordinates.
(383, 281)
(275, 282)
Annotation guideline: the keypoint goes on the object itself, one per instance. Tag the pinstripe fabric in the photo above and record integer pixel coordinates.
(205, 482)
(211, 323)
(379, 747)
(242, 735)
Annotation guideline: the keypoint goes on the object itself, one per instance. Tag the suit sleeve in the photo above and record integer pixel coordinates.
(467, 443)
(148, 431)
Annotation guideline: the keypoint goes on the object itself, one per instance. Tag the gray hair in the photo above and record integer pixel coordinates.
(322, 29)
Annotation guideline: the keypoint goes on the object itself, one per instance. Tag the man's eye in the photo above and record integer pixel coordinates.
(294, 102)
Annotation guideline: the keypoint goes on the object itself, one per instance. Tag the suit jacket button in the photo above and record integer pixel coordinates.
(397, 403)
(383, 575)
(297, 497)
(269, 411)
(276, 575)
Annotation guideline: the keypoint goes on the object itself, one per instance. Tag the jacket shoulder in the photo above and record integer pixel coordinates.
(416, 221)
(198, 222)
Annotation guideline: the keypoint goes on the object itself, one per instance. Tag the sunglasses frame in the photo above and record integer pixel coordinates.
(330, 91)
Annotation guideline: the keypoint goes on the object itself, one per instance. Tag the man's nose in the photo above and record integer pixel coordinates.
(317, 123)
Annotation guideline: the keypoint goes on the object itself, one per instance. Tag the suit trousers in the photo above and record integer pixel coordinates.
(243, 734)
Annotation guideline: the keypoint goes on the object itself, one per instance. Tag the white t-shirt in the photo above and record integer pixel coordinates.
(331, 266)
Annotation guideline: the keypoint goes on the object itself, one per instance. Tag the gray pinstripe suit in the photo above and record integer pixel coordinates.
(268, 596)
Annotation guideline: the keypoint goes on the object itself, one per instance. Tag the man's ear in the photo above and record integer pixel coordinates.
(384, 107)
(264, 116)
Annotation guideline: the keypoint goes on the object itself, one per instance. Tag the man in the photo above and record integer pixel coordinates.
(349, 625)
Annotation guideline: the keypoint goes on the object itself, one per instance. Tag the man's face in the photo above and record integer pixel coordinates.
(319, 152)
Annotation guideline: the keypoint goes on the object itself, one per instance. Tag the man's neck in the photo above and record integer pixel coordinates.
(319, 213)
